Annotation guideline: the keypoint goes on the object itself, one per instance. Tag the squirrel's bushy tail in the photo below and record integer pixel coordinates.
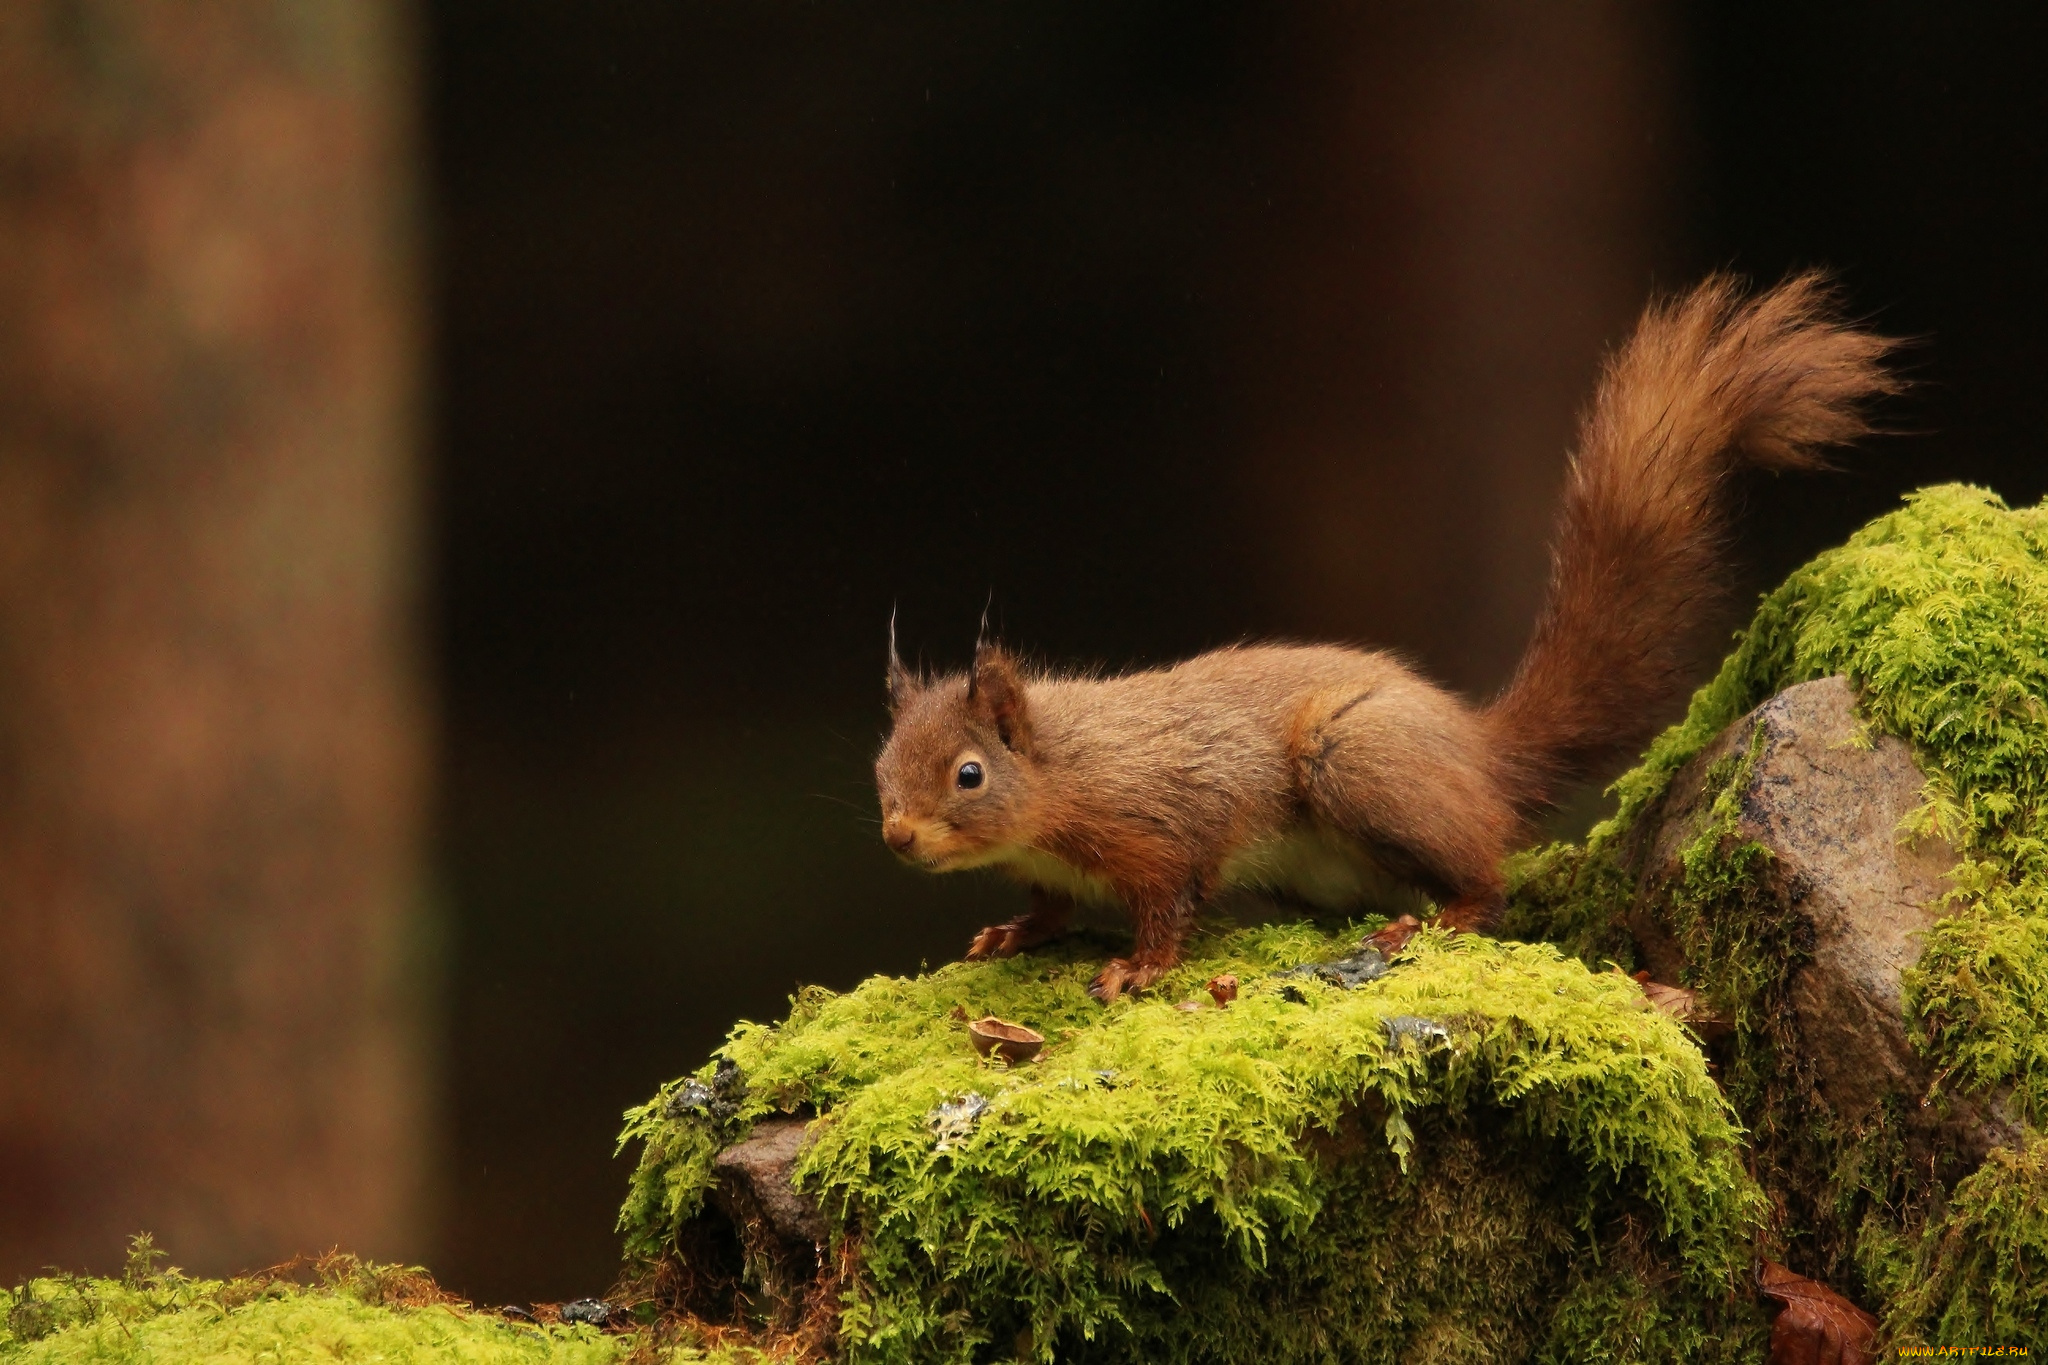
(1709, 382)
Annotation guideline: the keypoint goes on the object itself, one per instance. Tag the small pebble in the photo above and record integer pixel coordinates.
(1346, 973)
(721, 1099)
(1407, 1027)
(952, 1123)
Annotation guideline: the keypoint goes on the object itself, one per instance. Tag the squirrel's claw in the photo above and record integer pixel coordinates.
(1008, 940)
(1001, 940)
(1122, 974)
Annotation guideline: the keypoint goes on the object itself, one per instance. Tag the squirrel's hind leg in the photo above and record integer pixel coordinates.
(1476, 912)
(1044, 921)
(1404, 773)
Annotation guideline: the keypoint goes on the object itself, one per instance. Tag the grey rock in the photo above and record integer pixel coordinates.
(756, 1187)
(1827, 796)
(1410, 1028)
(691, 1097)
(953, 1122)
(719, 1100)
(1105, 1079)
(1345, 973)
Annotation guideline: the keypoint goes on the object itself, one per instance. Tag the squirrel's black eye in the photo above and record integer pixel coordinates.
(969, 776)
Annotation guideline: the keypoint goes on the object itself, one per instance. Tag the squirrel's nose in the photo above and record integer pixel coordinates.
(899, 835)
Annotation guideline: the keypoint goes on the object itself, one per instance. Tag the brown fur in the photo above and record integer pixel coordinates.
(1295, 766)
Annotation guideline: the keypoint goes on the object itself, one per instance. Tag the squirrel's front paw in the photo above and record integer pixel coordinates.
(1122, 975)
(998, 940)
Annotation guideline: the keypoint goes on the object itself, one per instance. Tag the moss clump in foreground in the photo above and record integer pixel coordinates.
(1491, 1153)
(1938, 615)
(336, 1308)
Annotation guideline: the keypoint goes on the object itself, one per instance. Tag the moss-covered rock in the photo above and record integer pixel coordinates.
(1937, 614)
(1489, 1153)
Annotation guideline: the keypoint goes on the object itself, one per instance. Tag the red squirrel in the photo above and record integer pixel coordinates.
(1318, 771)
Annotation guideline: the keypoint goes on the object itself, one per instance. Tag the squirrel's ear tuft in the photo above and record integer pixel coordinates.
(995, 688)
(902, 682)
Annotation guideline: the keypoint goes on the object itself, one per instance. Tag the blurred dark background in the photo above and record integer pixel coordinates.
(1166, 324)
(1156, 326)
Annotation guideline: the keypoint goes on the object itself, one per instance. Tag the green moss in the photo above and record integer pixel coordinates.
(347, 1310)
(1290, 1178)
(1981, 1275)
(1938, 615)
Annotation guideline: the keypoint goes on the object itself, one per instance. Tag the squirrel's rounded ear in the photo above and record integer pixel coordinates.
(995, 687)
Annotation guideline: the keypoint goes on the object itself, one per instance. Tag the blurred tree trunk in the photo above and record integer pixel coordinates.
(1475, 198)
(210, 737)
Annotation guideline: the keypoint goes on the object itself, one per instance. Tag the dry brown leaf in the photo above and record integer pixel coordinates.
(1222, 989)
(1678, 1002)
(1817, 1326)
(1685, 1006)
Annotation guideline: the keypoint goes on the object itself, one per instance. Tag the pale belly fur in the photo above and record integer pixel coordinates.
(1305, 864)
